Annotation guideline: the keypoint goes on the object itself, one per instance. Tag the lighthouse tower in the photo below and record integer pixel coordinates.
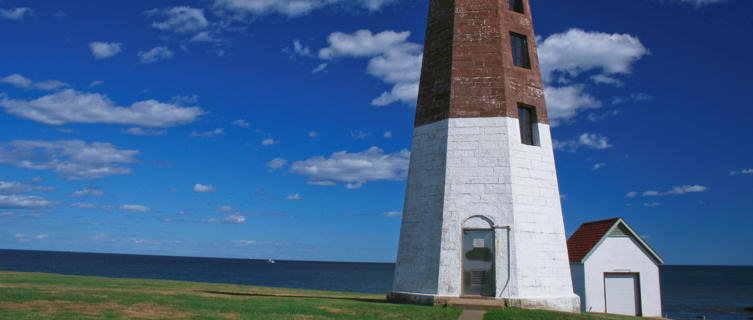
(482, 215)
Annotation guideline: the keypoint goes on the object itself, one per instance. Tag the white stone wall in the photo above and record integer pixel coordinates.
(622, 254)
(487, 172)
(420, 235)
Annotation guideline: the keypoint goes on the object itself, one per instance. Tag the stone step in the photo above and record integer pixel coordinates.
(475, 303)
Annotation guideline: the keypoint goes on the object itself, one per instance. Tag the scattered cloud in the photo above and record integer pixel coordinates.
(595, 117)
(388, 134)
(155, 54)
(207, 134)
(313, 134)
(242, 123)
(392, 59)
(319, 68)
(244, 9)
(276, 164)
(651, 204)
(354, 169)
(26, 83)
(588, 140)
(233, 216)
(16, 13)
(15, 201)
(632, 194)
(301, 49)
(180, 19)
(676, 191)
(392, 214)
(103, 50)
(565, 56)
(741, 172)
(598, 166)
(135, 208)
(696, 3)
(83, 205)
(294, 197)
(88, 191)
(10, 187)
(200, 188)
(21, 237)
(358, 134)
(138, 131)
(71, 159)
(96, 83)
(17, 80)
(71, 106)
(269, 142)
(635, 97)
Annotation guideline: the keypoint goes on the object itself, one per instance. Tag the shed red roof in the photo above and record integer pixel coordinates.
(586, 237)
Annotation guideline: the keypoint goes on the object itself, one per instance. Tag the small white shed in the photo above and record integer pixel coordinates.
(614, 270)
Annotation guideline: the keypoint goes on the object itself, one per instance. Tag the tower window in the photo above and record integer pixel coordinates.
(520, 55)
(528, 130)
(516, 5)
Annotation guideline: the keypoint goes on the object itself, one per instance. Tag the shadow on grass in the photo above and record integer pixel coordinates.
(252, 294)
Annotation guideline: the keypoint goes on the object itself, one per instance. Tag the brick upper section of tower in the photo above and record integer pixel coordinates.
(468, 69)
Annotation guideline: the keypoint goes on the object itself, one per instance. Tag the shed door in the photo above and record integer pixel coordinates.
(622, 293)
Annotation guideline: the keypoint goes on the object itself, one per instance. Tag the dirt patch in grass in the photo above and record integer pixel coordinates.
(139, 310)
(336, 310)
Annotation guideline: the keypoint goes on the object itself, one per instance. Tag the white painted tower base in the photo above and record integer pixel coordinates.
(474, 173)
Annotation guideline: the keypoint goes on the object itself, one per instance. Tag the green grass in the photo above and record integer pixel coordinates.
(520, 314)
(48, 296)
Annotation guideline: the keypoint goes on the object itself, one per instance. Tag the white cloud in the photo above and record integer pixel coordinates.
(181, 19)
(200, 188)
(207, 134)
(21, 237)
(651, 204)
(242, 123)
(387, 134)
(744, 171)
(319, 68)
(576, 51)
(392, 59)
(10, 187)
(226, 209)
(392, 214)
(23, 202)
(104, 50)
(632, 194)
(15, 13)
(294, 197)
(313, 134)
(358, 134)
(564, 103)
(589, 140)
(241, 9)
(598, 166)
(276, 164)
(71, 106)
(155, 54)
(88, 191)
(269, 142)
(71, 159)
(138, 131)
(96, 83)
(699, 3)
(83, 205)
(565, 56)
(301, 50)
(17, 80)
(355, 169)
(135, 208)
(26, 83)
(676, 191)
(233, 216)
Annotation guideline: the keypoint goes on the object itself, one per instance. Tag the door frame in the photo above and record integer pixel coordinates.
(462, 260)
(638, 294)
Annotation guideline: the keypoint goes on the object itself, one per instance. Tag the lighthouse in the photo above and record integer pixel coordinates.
(482, 217)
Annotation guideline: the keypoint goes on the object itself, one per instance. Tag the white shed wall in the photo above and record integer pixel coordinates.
(621, 255)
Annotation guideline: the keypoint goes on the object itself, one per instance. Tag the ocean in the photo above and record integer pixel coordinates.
(688, 292)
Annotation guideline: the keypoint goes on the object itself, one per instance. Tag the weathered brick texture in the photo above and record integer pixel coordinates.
(468, 71)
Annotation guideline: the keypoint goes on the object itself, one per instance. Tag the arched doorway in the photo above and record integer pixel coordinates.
(479, 257)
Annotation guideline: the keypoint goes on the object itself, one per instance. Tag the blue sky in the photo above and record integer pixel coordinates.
(256, 129)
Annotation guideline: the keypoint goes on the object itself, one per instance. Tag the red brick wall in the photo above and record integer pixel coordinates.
(470, 73)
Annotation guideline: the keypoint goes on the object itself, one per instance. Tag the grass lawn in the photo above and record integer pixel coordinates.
(520, 314)
(47, 296)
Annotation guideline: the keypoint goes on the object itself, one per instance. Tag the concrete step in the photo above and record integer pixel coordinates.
(475, 303)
